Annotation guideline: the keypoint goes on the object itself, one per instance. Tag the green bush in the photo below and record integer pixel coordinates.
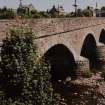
(24, 79)
(7, 13)
(86, 73)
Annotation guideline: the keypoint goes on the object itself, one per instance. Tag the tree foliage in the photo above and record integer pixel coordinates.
(24, 79)
(6, 13)
(103, 8)
(87, 13)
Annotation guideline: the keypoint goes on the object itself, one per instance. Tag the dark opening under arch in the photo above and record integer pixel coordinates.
(62, 62)
(102, 36)
(89, 50)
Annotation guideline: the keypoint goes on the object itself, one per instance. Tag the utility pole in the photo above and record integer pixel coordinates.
(75, 6)
(20, 5)
(96, 5)
(96, 8)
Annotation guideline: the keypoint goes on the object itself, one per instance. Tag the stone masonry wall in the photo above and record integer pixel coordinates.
(68, 31)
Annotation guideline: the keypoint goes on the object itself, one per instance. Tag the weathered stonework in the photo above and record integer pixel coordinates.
(70, 32)
(101, 56)
(82, 66)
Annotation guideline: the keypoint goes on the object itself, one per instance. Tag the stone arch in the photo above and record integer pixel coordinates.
(102, 36)
(89, 50)
(62, 62)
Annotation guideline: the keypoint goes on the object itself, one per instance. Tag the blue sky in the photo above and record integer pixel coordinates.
(44, 4)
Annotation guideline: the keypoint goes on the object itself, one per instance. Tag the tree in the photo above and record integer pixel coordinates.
(35, 14)
(6, 13)
(103, 8)
(25, 79)
(87, 13)
(44, 14)
(79, 13)
(21, 12)
(54, 12)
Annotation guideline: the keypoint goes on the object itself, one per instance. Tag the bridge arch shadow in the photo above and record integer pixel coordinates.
(62, 62)
(102, 36)
(89, 51)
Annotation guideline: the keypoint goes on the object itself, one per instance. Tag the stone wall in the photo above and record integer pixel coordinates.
(70, 32)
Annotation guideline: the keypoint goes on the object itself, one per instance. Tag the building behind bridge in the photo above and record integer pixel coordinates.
(100, 13)
(25, 8)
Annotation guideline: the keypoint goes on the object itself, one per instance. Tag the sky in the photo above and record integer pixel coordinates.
(47, 4)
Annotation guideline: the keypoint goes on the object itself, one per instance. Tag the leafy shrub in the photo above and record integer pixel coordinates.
(7, 13)
(86, 73)
(25, 80)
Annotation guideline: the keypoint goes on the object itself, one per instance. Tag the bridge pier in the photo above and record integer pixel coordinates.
(82, 65)
(101, 56)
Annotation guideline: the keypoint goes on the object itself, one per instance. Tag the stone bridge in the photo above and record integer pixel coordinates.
(69, 44)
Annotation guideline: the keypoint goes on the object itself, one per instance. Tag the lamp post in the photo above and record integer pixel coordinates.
(96, 9)
(20, 5)
(75, 6)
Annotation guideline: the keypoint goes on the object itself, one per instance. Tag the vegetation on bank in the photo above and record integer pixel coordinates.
(7, 13)
(86, 74)
(24, 80)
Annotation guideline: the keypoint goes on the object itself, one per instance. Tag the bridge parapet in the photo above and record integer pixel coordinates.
(49, 27)
(52, 26)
